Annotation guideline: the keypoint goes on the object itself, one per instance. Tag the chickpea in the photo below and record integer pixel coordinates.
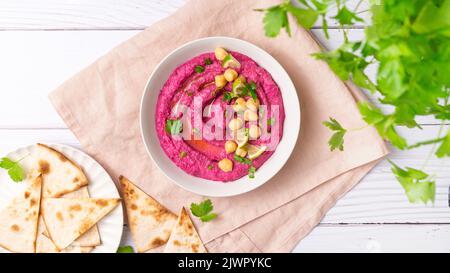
(220, 53)
(250, 115)
(230, 74)
(241, 152)
(220, 81)
(235, 124)
(252, 104)
(226, 165)
(239, 105)
(230, 146)
(253, 131)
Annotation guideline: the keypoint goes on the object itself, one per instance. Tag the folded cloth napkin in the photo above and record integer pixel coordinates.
(100, 105)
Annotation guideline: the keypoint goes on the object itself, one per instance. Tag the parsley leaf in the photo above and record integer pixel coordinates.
(417, 184)
(274, 20)
(15, 171)
(337, 139)
(125, 249)
(385, 125)
(173, 127)
(203, 210)
(444, 148)
(346, 17)
(305, 17)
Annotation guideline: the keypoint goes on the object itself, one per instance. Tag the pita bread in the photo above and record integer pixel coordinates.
(68, 218)
(150, 223)
(60, 175)
(45, 245)
(92, 236)
(19, 220)
(184, 238)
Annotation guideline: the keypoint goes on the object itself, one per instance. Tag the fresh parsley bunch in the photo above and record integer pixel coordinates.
(409, 42)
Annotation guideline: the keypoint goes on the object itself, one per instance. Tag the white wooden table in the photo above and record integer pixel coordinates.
(42, 43)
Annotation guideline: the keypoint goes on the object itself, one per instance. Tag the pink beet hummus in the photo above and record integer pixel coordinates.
(200, 157)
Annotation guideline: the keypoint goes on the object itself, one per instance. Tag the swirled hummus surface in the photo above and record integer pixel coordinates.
(193, 116)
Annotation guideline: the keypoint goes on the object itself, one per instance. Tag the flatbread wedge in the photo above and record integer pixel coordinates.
(184, 238)
(19, 219)
(150, 222)
(45, 245)
(67, 219)
(92, 236)
(60, 175)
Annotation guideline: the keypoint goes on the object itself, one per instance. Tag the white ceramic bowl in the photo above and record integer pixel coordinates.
(199, 185)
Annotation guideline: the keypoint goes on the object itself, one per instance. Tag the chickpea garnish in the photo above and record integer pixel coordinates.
(252, 104)
(220, 81)
(239, 105)
(230, 74)
(241, 152)
(230, 146)
(254, 131)
(226, 165)
(220, 53)
(250, 115)
(235, 124)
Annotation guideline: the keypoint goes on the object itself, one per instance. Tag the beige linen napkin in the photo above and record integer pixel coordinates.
(101, 104)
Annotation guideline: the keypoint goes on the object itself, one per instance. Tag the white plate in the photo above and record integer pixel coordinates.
(200, 185)
(100, 186)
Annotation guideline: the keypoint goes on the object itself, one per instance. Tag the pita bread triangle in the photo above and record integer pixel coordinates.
(60, 175)
(92, 236)
(184, 238)
(67, 219)
(150, 222)
(46, 245)
(19, 219)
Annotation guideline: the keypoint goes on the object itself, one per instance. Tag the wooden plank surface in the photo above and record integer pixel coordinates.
(377, 238)
(98, 14)
(375, 216)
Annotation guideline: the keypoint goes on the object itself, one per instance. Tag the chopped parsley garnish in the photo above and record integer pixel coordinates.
(173, 127)
(189, 94)
(210, 167)
(199, 69)
(208, 61)
(182, 154)
(251, 172)
(203, 210)
(251, 87)
(271, 121)
(227, 96)
(15, 171)
(242, 160)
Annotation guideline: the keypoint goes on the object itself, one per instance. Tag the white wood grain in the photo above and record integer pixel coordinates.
(377, 199)
(99, 14)
(377, 238)
(374, 217)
